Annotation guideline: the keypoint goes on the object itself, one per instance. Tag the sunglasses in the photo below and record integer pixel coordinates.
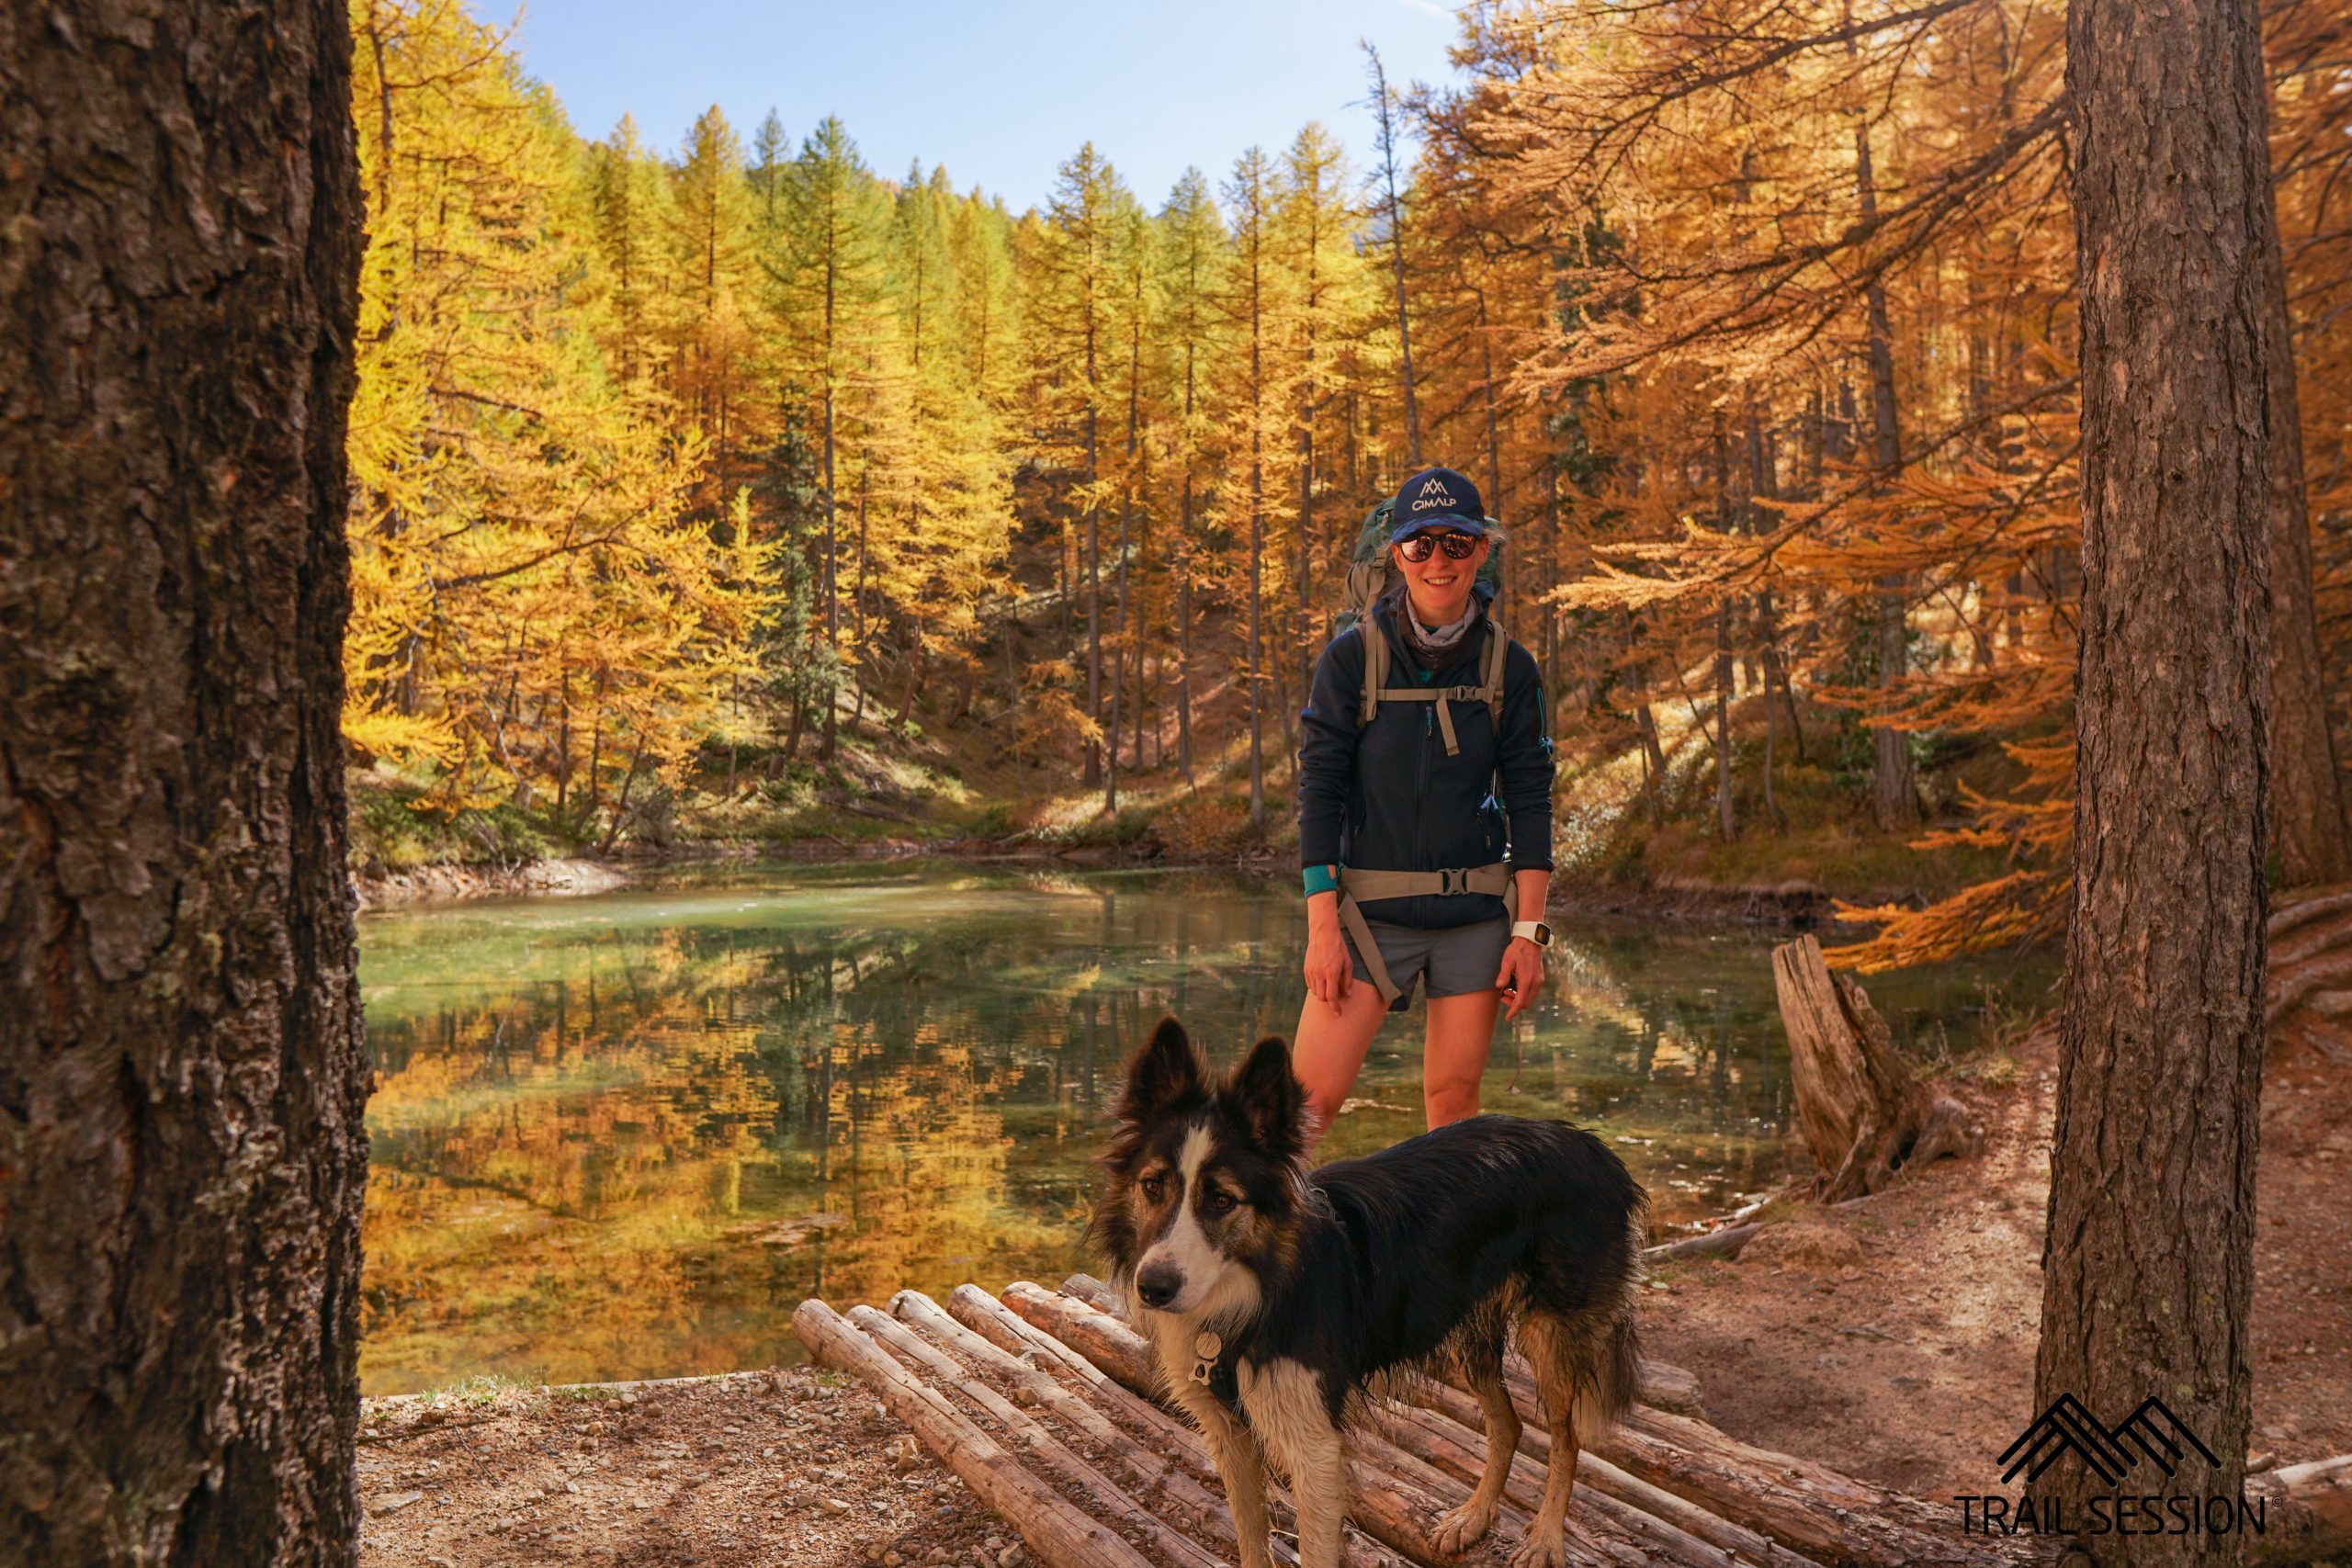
(1457, 546)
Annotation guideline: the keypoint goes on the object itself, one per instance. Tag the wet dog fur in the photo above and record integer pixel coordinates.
(1322, 1285)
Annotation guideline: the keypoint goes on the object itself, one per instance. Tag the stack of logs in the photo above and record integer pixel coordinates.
(1039, 1402)
(1042, 1403)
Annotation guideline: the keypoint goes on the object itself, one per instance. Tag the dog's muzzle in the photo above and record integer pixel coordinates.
(1159, 1283)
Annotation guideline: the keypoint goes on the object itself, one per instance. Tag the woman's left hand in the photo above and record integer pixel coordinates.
(1520, 977)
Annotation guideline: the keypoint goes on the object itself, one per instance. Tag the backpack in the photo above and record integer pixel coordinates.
(1370, 574)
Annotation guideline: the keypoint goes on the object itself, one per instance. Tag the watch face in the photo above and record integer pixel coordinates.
(1542, 934)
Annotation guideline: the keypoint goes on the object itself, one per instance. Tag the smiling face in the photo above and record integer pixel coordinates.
(1439, 586)
(1205, 1180)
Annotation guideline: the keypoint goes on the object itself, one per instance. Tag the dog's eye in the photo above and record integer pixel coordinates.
(1153, 1187)
(1221, 1203)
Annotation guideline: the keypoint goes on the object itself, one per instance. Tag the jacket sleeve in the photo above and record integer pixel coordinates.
(1526, 769)
(1326, 748)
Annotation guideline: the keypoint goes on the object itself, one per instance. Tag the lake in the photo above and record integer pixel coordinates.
(624, 1136)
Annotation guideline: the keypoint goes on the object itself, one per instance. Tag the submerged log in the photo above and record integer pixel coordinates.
(1863, 1114)
(1061, 1534)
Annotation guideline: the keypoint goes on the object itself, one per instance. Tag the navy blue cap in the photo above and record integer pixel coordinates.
(1438, 495)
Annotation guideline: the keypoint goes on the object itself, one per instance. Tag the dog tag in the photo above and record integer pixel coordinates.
(1207, 1345)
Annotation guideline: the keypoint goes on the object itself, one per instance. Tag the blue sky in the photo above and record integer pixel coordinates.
(1000, 92)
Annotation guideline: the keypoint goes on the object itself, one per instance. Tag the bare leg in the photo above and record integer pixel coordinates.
(1328, 1051)
(1453, 1057)
(1547, 1545)
(1474, 1518)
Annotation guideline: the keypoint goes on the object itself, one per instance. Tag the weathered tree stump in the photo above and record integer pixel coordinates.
(1864, 1116)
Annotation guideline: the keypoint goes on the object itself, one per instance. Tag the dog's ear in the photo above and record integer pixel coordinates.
(1163, 1070)
(1271, 1100)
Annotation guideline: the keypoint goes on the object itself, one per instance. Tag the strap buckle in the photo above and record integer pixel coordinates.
(1453, 879)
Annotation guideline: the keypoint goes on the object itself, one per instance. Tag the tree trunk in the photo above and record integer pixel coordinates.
(2308, 828)
(2148, 1268)
(1895, 789)
(182, 1079)
(1863, 1115)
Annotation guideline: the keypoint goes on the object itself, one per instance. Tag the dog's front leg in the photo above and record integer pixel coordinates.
(1288, 1413)
(1243, 1473)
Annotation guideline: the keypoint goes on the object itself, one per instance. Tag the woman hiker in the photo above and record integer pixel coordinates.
(1422, 758)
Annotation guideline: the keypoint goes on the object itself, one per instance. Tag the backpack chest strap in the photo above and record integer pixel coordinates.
(1444, 697)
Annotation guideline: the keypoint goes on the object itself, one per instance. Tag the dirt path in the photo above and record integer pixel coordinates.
(1893, 1339)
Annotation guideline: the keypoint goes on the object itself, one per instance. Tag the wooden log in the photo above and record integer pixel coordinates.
(1391, 1513)
(1833, 1519)
(1459, 1412)
(1059, 1534)
(1459, 1455)
(1863, 1114)
(2301, 909)
(1047, 1453)
(1157, 1469)
(1097, 1335)
(987, 1318)
(1728, 1242)
(1667, 1386)
(2307, 1514)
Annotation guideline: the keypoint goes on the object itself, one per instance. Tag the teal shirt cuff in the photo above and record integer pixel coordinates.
(1319, 879)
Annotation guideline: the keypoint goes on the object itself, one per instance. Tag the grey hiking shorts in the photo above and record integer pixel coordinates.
(1457, 960)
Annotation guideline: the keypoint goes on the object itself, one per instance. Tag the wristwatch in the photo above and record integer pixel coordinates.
(1535, 931)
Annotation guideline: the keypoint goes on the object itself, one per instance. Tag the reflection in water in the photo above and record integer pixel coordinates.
(625, 1136)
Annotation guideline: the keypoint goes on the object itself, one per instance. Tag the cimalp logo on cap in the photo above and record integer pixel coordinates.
(1433, 493)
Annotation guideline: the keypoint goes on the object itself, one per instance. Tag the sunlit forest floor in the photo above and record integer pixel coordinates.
(1893, 1339)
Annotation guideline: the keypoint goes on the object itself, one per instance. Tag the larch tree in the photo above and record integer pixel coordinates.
(1257, 401)
(1071, 316)
(1190, 251)
(2148, 1267)
(182, 1079)
(824, 278)
(710, 290)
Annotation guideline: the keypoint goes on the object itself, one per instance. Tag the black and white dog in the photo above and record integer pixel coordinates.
(1277, 1295)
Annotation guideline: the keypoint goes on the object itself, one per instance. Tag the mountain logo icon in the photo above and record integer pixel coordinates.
(2151, 1432)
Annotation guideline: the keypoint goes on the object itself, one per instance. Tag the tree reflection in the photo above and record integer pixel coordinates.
(626, 1139)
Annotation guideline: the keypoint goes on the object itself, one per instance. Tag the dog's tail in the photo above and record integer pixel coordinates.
(1613, 1372)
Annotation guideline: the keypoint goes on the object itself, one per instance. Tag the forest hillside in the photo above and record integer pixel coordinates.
(724, 488)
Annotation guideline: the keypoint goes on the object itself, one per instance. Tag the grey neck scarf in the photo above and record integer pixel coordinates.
(1430, 641)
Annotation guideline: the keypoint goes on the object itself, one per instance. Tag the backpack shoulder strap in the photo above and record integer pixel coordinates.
(1498, 648)
(1376, 666)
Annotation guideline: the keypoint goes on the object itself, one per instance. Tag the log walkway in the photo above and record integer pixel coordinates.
(1041, 1401)
(1044, 1402)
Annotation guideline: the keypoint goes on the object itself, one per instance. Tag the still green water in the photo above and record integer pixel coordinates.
(624, 1136)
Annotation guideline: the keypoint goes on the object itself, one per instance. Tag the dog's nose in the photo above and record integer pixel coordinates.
(1159, 1283)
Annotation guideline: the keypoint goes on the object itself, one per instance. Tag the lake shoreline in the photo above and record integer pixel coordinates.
(1793, 905)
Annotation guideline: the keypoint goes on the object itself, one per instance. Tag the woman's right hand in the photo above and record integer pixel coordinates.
(1328, 972)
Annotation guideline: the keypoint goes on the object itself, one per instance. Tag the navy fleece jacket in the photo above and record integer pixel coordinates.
(1386, 796)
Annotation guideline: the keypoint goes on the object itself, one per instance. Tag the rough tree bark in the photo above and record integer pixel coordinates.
(2148, 1267)
(182, 1082)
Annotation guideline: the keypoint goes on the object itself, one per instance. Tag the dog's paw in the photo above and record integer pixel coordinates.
(1460, 1526)
(1542, 1551)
